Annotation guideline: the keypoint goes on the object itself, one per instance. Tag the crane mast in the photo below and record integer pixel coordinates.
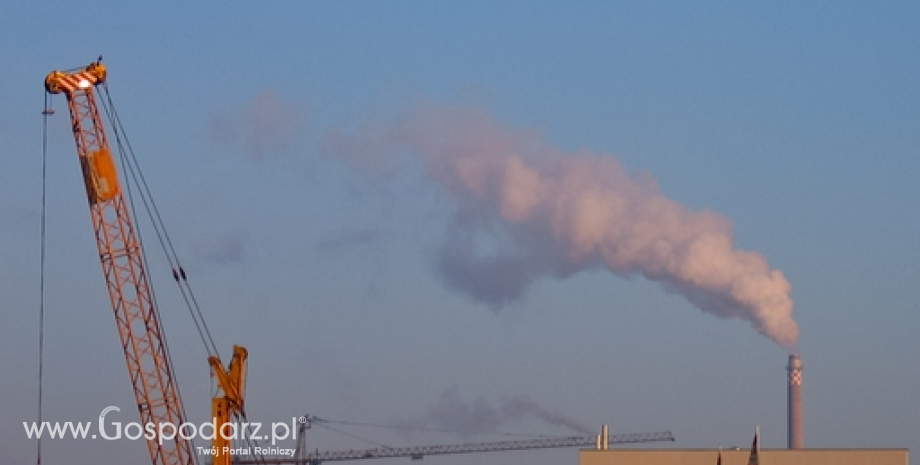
(123, 265)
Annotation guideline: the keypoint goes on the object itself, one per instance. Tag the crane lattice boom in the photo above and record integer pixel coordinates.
(122, 264)
(416, 453)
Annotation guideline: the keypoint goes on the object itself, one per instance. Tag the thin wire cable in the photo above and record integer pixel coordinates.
(133, 168)
(41, 281)
(241, 415)
(118, 131)
(129, 162)
(438, 430)
(354, 436)
(253, 444)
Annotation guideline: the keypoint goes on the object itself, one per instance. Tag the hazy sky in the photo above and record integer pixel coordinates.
(405, 211)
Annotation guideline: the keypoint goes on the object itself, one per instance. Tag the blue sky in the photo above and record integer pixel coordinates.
(796, 122)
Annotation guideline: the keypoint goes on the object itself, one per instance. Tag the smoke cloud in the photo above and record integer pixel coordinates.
(526, 210)
(266, 126)
(222, 248)
(452, 413)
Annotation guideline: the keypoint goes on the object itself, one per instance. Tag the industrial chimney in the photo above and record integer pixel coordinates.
(794, 399)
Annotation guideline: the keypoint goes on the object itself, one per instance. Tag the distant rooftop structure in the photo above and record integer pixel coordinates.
(740, 457)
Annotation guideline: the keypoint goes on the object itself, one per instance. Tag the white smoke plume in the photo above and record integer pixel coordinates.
(452, 413)
(525, 210)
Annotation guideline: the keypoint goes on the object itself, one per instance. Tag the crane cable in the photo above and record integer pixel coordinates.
(133, 168)
(131, 165)
(353, 436)
(241, 415)
(325, 423)
(41, 282)
(253, 444)
(319, 422)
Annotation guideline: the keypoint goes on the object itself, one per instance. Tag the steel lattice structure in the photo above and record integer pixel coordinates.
(122, 264)
(417, 453)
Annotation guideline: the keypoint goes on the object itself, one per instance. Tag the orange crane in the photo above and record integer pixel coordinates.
(121, 254)
(123, 265)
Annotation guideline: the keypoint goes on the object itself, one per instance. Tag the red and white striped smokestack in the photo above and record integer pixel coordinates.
(794, 399)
